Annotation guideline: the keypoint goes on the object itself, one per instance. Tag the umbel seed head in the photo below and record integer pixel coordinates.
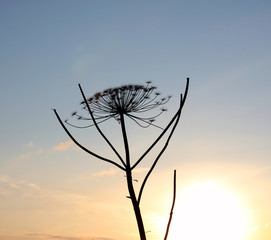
(129, 100)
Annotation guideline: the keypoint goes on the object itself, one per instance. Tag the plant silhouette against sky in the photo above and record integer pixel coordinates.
(135, 102)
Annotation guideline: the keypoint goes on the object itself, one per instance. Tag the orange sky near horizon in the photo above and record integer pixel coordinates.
(237, 212)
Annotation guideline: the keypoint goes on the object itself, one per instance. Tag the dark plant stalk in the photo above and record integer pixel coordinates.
(172, 207)
(130, 186)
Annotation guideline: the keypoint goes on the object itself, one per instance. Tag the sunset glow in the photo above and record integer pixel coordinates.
(126, 58)
(208, 211)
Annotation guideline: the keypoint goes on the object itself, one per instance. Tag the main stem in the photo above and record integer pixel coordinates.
(130, 182)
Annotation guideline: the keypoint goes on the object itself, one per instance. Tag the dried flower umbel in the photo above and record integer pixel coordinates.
(130, 100)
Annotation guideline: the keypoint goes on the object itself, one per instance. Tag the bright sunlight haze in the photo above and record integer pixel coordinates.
(207, 211)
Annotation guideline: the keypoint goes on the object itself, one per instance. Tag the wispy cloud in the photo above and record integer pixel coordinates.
(27, 195)
(141, 170)
(9, 186)
(29, 144)
(30, 154)
(63, 146)
(25, 155)
(52, 236)
(39, 151)
(114, 172)
(254, 228)
(110, 172)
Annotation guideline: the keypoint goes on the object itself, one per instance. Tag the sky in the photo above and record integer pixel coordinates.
(50, 189)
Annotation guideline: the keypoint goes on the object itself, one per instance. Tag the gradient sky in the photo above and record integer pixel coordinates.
(51, 190)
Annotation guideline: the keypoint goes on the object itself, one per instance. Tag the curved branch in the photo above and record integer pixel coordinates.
(99, 130)
(160, 154)
(172, 206)
(167, 127)
(82, 147)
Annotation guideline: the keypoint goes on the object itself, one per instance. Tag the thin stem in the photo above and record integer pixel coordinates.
(82, 147)
(125, 140)
(99, 130)
(172, 207)
(129, 179)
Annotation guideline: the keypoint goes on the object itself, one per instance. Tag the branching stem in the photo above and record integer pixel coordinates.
(97, 127)
(84, 148)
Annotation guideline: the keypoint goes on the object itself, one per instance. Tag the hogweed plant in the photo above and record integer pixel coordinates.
(134, 102)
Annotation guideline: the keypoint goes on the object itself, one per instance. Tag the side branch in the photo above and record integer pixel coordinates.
(172, 207)
(97, 127)
(82, 147)
(167, 127)
(160, 154)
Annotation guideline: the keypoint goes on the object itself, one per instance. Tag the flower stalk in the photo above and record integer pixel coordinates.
(130, 186)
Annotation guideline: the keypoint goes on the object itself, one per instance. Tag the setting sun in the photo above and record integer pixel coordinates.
(207, 211)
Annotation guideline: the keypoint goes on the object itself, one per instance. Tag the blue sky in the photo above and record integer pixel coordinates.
(48, 47)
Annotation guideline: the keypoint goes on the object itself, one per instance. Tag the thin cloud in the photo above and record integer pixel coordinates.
(52, 236)
(141, 170)
(110, 172)
(29, 144)
(33, 186)
(255, 228)
(9, 186)
(63, 146)
(30, 154)
(25, 155)
(39, 151)
(114, 172)
(101, 238)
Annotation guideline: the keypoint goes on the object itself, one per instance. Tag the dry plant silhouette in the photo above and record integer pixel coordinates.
(131, 101)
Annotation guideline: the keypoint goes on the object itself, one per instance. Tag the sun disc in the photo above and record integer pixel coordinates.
(207, 211)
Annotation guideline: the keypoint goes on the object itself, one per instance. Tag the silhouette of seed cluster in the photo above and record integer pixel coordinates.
(129, 100)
